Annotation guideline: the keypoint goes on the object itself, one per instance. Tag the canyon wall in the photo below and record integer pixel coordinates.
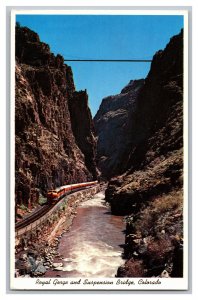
(49, 150)
(83, 129)
(149, 188)
(155, 155)
(112, 128)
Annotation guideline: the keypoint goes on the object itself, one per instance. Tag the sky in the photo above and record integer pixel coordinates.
(104, 37)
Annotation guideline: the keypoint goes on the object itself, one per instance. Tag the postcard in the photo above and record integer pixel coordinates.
(99, 149)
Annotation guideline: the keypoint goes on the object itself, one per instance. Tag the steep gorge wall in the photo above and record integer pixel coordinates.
(150, 191)
(112, 128)
(155, 155)
(48, 152)
(83, 129)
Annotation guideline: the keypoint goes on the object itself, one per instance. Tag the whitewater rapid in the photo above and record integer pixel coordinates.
(92, 247)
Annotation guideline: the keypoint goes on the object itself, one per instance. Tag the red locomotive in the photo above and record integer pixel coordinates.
(58, 193)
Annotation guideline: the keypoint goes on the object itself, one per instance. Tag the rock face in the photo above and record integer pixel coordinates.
(151, 189)
(111, 123)
(83, 129)
(50, 151)
(155, 159)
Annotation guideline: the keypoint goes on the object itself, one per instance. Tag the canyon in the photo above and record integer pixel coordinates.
(135, 143)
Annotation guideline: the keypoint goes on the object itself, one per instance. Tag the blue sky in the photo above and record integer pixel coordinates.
(104, 37)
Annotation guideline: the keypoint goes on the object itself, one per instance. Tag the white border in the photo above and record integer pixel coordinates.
(185, 147)
(30, 283)
(99, 12)
(12, 150)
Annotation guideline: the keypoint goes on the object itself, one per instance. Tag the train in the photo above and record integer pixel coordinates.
(56, 194)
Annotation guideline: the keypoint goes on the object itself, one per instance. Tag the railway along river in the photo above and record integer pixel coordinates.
(92, 246)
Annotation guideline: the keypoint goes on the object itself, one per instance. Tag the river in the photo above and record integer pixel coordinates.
(92, 247)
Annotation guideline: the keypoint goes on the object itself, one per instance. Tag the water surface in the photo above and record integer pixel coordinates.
(92, 246)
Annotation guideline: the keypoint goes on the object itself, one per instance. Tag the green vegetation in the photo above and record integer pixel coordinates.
(42, 200)
(23, 207)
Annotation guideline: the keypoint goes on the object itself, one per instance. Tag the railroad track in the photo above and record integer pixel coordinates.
(33, 217)
(42, 211)
(37, 214)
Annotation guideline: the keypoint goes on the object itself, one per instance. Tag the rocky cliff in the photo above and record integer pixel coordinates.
(112, 128)
(83, 129)
(52, 146)
(151, 189)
